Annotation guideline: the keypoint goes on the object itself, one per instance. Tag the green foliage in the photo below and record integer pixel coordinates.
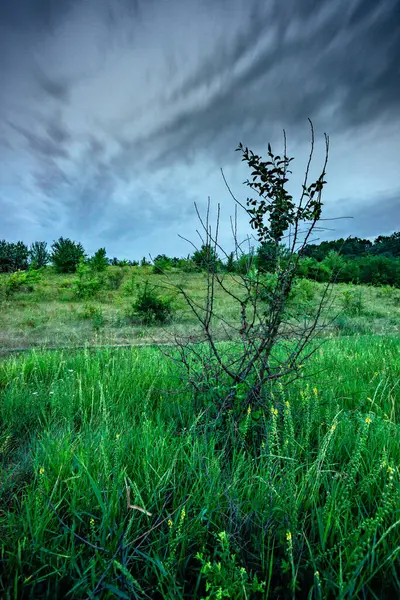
(351, 247)
(387, 245)
(162, 263)
(150, 307)
(99, 261)
(88, 282)
(13, 257)
(275, 210)
(245, 263)
(205, 257)
(318, 489)
(186, 265)
(115, 277)
(352, 302)
(66, 255)
(380, 270)
(224, 577)
(144, 262)
(38, 254)
(230, 263)
(269, 254)
(20, 281)
(95, 314)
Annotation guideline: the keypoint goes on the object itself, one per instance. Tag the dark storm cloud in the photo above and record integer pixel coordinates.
(112, 113)
(350, 61)
(51, 144)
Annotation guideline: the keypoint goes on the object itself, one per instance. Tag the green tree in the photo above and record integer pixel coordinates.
(13, 257)
(66, 255)
(99, 261)
(205, 257)
(39, 255)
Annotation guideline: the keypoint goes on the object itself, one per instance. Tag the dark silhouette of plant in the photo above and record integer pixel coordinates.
(271, 336)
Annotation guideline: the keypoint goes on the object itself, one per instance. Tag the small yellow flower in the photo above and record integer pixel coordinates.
(263, 445)
(333, 428)
(274, 412)
(249, 410)
(288, 536)
(287, 404)
(315, 390)
(376, 373)
(169, 523)
(183, 514)
(41, 471)
(390, 470)
(368, 420)
(91, 522)
(316, 574)
(117, 436)
(369, 399)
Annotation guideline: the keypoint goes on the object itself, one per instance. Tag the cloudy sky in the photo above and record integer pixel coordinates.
(117, 115)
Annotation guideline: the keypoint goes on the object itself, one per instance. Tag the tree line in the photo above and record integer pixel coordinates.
(351, 260)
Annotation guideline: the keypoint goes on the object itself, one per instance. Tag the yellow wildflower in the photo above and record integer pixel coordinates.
(368, 420)
(288, 536)
(333, 428)
(91, 522)
(169, 523)
(315, 390)
(287, 404)
(274, 412)
(117, 436)
(249, 410)
(41, 471)
(263, 445)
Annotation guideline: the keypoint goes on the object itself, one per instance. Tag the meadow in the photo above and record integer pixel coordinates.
(52, 315)
(116, 483)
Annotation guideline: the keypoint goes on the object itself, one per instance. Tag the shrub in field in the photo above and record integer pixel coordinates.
(66, 255)
(303, 290)
(237, 377)
(162, 263)
(187, 265)
(130, 286)
(352, 302)
(99, 261)
(21, 281)
(223, 575)
(150, 307)
(206, 257)
(98, 319)
(88, 282)
(115, 278)
(38, 254)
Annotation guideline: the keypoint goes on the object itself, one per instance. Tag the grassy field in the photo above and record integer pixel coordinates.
(307, 508)
(115, 482)
(52, 315)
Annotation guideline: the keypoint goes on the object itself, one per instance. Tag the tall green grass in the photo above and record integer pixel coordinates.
(301, 502)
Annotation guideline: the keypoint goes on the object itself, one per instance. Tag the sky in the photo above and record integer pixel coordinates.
(116, 116)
